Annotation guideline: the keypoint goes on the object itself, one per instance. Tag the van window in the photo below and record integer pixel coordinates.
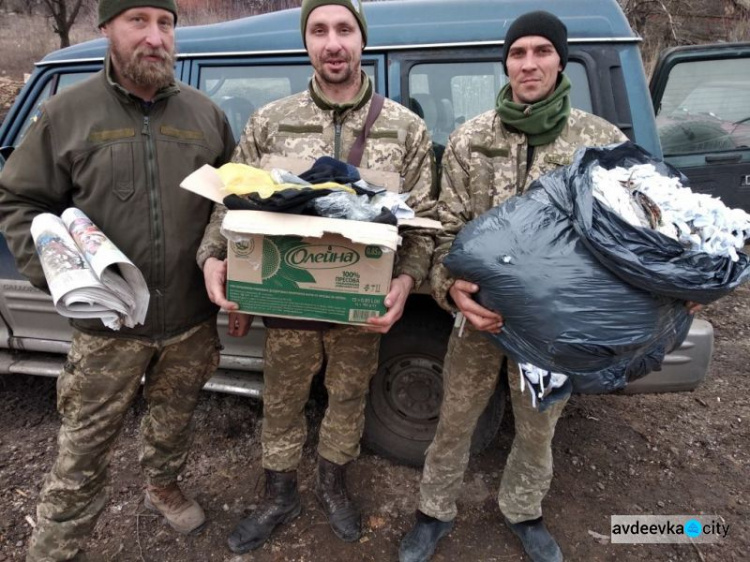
(711, 114)
(55, 84)
(240, 89)
(67, 80)
(447, 94)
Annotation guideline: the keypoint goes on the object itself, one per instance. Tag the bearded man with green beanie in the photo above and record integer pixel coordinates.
(326, 120)
(533, 130)
(117, 146)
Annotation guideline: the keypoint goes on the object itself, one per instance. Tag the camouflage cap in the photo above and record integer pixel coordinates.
(354, 6)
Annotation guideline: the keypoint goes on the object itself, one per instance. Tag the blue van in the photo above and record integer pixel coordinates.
(442, 58)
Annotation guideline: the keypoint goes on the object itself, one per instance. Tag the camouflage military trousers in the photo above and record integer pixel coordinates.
(293, 357)
(97, 386)
(472, 367)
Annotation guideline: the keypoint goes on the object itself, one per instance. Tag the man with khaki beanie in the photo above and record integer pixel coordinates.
(131, 125)
(326, 120)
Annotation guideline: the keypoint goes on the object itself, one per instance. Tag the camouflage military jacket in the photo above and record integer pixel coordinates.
(307, 127)
(485, 163)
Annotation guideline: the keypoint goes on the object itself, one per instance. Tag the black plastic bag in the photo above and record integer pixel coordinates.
(641, 256)
(582, 292)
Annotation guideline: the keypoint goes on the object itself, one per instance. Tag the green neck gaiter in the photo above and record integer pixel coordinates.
(542, 121)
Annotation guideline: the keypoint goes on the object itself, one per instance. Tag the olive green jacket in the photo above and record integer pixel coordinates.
(96, 147)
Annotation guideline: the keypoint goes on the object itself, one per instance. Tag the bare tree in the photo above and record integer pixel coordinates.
(26, 6)
(645, 14)
(63, 14)
(661, 23)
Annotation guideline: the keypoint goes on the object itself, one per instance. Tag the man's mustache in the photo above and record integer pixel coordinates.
(160, 53)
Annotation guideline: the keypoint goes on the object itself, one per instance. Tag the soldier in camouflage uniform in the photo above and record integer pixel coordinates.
(89, 149)
(488, 160)
(325, 120)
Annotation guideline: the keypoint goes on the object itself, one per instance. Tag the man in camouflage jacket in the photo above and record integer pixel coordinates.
(117, 146)
(325, 120)
(487, 161)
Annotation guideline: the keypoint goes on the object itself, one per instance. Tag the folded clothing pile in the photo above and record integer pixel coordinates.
(644, 197)
(330, 188)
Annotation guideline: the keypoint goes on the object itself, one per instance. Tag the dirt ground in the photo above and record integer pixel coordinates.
(681, 453)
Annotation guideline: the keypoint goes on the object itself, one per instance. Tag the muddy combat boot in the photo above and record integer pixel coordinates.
(539, 545)
(280, 505)
(419, 544)
(342, 514)
(183, 514)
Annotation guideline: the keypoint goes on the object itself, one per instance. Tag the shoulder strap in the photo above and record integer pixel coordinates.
(358, 148)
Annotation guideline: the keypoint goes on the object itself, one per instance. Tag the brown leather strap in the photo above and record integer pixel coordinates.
(358, 148)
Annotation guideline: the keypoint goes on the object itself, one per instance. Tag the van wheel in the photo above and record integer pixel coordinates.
(406, 392)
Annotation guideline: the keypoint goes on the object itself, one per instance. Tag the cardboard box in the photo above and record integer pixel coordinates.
(312, 268)
(304, 267)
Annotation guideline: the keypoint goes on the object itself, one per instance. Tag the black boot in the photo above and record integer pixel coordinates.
(280, 505)
(342, 514)
(419, 544)
(537, 542)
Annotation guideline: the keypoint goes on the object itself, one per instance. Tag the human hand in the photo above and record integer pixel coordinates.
(215, 277)
(483, 319)
(239, 324)
(693, 307)
(395, 301)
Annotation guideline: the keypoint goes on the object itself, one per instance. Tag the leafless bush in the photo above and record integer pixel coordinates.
(669, 23)
(26, 39)
(195, 12)
(26, 35)
(739, 30)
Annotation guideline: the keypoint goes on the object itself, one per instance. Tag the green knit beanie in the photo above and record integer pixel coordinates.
(354, 6)
(110, 8)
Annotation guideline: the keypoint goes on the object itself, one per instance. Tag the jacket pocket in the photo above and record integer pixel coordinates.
(383, 151)
(68, 397)
(121, 164)
(492, 177)
(557, 159)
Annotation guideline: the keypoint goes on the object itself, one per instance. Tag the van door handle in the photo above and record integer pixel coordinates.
(723, 158)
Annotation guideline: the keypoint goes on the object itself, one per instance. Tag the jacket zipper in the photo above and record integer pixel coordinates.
(337, 137)
(155, 210)
(523, 162)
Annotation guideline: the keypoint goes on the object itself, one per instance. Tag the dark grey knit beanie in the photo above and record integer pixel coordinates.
(111, 8)
(539, 23)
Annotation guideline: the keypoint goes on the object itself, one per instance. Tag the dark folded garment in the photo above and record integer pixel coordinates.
(293, 201)
(327, 169)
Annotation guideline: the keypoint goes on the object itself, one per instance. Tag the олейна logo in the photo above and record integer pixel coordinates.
(321, 257)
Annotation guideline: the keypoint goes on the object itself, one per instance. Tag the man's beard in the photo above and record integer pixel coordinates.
(156, 74)
(346, 77)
